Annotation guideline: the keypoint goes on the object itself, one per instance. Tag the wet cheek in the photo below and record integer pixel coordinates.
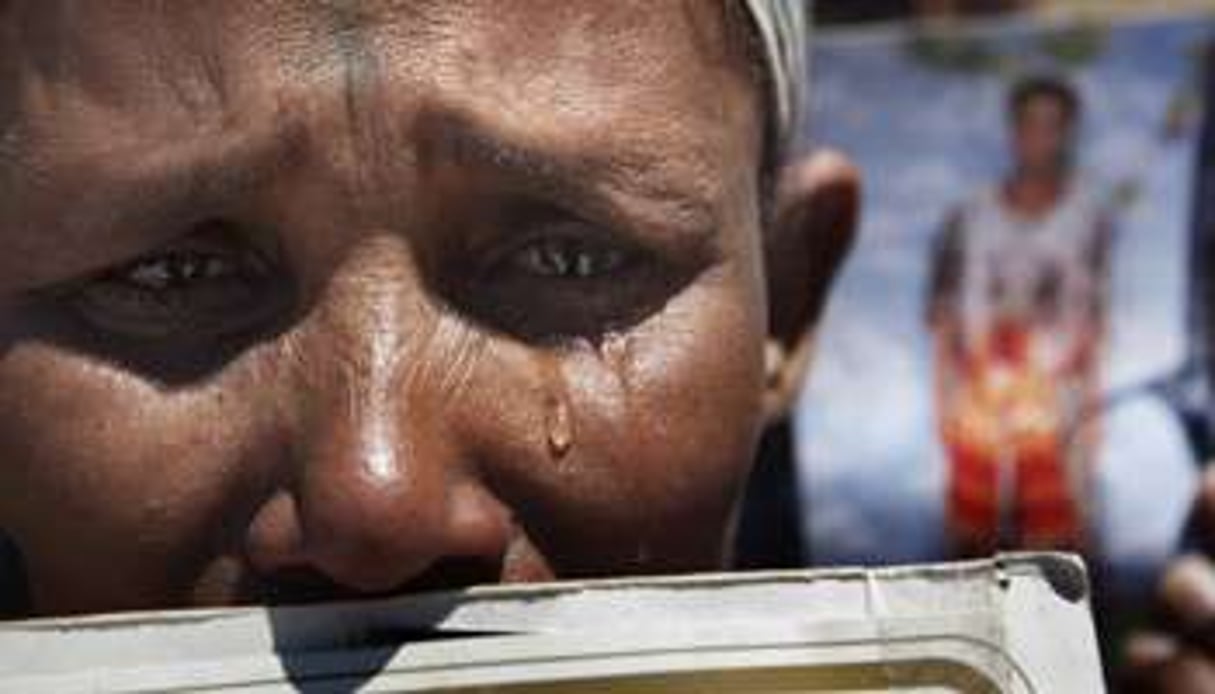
(119, 481)
(680, 440)
(693, 408)
(627, 454)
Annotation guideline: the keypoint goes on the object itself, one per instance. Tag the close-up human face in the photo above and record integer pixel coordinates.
(1042, 135)
(303, 300)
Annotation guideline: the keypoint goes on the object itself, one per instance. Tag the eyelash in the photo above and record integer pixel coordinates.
(209, 285)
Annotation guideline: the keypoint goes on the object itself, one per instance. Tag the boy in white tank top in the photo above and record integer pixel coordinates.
(1017, 309)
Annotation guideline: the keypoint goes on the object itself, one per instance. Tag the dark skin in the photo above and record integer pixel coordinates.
(311, 300)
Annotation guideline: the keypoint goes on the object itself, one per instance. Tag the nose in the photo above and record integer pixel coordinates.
(377, 491)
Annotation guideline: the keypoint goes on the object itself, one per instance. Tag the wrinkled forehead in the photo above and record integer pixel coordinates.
(576, 69)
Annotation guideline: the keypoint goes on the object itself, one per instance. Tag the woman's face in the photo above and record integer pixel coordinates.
(310, 299)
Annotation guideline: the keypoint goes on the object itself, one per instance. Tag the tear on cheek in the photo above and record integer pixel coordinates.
(584, 402)
(557, 417)
(559, 424)
(613, 350)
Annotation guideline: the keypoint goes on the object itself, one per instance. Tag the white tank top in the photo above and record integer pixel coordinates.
(1039, 272)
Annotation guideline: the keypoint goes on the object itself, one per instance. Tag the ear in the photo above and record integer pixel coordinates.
(816, 214)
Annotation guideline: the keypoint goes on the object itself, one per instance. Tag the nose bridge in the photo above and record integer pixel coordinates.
(371, 505)
(357, 341)
(362, 340)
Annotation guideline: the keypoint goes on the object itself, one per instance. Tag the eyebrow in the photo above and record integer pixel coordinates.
(612, 186)
(125, 205)
(132, 205)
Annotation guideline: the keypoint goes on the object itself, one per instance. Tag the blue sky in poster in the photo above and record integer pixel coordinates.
(926, 139)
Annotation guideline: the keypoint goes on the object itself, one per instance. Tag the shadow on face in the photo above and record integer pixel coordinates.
(303, 311)
(317, 300)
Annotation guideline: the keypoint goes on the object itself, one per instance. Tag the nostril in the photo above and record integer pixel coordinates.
(274, 540)
(290, 564)
(294, 586)
(304, 551)
(478, 524)
(373, 543)
(371, 532)
(306, 585)
(456, 572)
(331, 547)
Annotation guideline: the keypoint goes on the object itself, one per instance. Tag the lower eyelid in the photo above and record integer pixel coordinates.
(141, 312)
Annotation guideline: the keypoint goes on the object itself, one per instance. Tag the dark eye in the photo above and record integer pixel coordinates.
(566, 258)
(207, 285)
(568, 279)
(177, 270)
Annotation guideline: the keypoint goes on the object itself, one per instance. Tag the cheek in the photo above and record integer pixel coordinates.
(119, 481)
(691, 389)
(628, 455)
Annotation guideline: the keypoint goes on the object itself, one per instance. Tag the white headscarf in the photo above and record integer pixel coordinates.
(782, 26)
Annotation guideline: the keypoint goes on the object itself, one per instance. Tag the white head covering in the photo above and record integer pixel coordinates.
(782, 26)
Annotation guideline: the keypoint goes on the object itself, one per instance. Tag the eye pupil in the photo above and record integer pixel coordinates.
(568, 260)
(188, 269)
(156, 274)
(554, 260)
(167, 272)
(584, 265)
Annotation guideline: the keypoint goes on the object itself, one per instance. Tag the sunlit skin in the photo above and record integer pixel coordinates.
(309, 300)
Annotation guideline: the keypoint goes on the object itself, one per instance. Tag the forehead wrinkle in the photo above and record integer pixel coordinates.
(72, 96)
(352, 59)
(128, 202)
(600, 79)
(348, 25)
(644, 181)
(638, 143)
